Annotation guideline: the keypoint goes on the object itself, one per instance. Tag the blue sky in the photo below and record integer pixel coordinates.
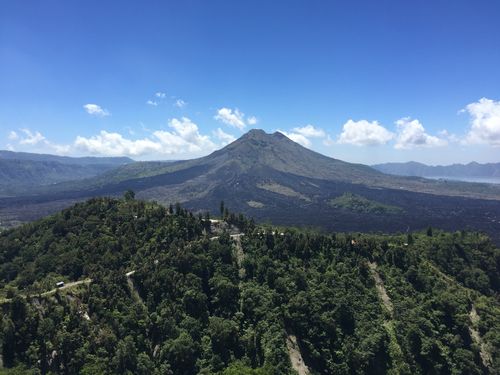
(364, 81)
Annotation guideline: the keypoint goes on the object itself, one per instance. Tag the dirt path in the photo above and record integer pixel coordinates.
(295, 356)
(484, 351)
(133, 289)
(379, 284)
(234, 236)
(240, 255)
(395, 351)
(66, 286)
(52, 291)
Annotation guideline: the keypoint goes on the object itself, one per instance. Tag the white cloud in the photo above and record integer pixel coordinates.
(301, 135)
(114, 144)
(224, 137)
(411, 133)
(310, 131)
(296, 137)
(60, 149)
(235, 118)
(184, 139)
(179, 103)
(13, 135)
(252, 120)
(231, 117)
(31, 138)
(328, 141)
(450, 137)
(161, 95)
(485, 122)
(152, 102)
(364, 133)
(96, 110)
(34, 140)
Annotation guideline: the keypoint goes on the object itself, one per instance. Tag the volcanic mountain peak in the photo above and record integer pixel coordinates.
(258, 138)
(257, 149)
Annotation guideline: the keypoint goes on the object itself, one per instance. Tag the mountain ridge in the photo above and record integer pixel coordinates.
(78, 160)
(21, 172)
(412, 168)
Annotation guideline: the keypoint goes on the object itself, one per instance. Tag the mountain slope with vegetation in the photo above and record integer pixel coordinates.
(169, 292)
(84, 160)
(21, 173)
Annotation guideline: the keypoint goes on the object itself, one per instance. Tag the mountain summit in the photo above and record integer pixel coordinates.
(257, 150)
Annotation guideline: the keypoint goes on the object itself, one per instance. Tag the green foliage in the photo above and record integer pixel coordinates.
(357, 203)
(196, 305)
(129, 195)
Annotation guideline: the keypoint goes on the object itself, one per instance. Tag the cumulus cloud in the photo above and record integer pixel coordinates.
(13, 136)
(114, 144)
(310, 131)
(411, 133)
(184, 138)
(252, 120)
(235, 118)
(30, 138)
(34, 140)
(179, 103)
(301, 135)
(152, 102)
(161, 95)
(231, 117)
(364, 133)
(296, 137)
(485, 122)
(96, 110)
(60, 149)
(450, 137)
(224, 137)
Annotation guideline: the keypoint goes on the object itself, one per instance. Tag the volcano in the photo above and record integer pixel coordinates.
(271, 178)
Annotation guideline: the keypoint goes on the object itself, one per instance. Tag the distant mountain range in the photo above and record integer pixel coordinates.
(270, 177)
(471, 170)
(20, 171)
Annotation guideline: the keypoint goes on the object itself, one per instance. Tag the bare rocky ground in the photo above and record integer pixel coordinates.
(295, 356)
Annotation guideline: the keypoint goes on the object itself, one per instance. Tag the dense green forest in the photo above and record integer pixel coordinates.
(164, 291)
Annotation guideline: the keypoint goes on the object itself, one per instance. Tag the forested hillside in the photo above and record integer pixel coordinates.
(151, 290)
(23, 173)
